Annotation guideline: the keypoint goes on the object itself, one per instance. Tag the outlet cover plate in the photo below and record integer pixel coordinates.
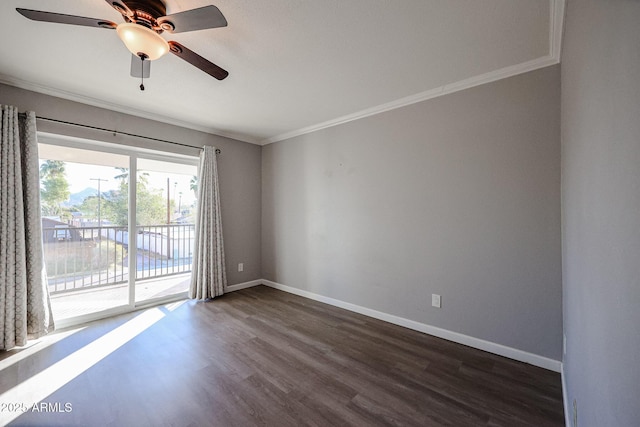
(436, 300)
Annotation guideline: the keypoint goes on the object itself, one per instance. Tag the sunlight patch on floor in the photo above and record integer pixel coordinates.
(38, 387)
(35, 346)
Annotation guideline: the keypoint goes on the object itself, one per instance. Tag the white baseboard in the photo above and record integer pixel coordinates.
(565, 399)
(491, 347)
(238, 286)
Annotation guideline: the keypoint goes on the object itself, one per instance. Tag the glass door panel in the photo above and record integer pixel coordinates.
(165, 216)
(84, 210)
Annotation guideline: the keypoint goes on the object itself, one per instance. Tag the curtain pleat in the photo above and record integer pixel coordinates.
(25, 307)
(208, 275)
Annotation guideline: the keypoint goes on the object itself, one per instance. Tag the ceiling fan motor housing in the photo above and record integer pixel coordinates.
(146, 13)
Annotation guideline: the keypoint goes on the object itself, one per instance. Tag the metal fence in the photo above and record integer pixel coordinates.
(89, 257)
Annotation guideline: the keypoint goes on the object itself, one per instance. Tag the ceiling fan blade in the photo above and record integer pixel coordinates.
(197, 61)
(193, 20)
(59, 18)
(140, 68)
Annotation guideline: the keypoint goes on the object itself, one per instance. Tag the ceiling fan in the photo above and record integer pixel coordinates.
(145, 20)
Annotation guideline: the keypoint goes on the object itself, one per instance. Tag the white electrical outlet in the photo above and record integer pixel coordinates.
(240, 266)
(435, 300)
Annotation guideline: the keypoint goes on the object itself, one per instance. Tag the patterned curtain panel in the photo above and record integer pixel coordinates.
(208, 276)
(25, 308)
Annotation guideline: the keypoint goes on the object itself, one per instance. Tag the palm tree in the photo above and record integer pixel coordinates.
(193, 185)
(55, 188)
(52, 168)
(124, 174)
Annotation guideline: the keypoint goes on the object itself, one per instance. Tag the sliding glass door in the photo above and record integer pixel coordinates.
(114, 240)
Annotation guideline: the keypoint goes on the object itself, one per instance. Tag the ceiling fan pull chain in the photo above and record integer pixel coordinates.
(141, 72)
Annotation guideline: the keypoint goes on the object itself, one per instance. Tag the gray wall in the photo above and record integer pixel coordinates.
(239, 165)
(458, 195)
(601, 210)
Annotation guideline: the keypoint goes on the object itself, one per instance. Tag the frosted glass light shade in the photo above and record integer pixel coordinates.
(139, 39)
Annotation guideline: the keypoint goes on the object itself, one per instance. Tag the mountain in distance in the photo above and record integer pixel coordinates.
(77, 198)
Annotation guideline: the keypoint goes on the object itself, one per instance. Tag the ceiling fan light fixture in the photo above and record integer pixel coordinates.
(142, 40)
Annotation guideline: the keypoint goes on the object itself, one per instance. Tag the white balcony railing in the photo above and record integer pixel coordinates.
(86, 257)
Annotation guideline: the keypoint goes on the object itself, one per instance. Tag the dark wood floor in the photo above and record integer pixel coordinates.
(264, 357)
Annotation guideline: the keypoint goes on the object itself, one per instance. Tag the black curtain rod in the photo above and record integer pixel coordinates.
(218, 151)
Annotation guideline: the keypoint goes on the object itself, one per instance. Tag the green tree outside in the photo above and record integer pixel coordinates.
(193, 185)
(54, 187)
(151, 208)
(89, 206)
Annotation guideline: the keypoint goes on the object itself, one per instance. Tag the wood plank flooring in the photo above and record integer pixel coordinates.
(260, 356)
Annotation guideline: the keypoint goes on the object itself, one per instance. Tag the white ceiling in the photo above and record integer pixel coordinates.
(294, 65)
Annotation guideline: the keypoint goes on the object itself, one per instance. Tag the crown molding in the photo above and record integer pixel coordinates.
(447, 89)
(556, 28)
(83, 99)
(556, 21)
